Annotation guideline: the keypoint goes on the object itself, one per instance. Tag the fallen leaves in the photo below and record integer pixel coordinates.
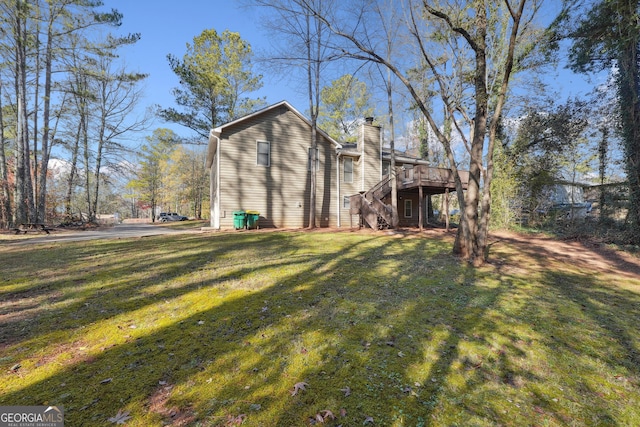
(297, 387)
(346, 391)
(235, 421)
(324, 415)
(120, 418)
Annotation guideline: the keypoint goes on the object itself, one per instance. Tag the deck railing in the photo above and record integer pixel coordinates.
(380, 190)
(430, 177)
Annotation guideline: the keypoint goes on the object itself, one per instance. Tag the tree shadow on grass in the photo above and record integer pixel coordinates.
(183, 334)
(389, 328)
(586, 308)
(595, 328)
(133, 274)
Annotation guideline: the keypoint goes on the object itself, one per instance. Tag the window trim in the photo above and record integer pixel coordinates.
(344, 170)
(346, 202)
(408, 203)
(386, 164)
(268, 153)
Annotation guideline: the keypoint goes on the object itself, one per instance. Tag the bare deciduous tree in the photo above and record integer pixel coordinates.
(457, 42)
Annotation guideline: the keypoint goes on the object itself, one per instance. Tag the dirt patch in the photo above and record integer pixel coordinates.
(172, 415)
(584, 254)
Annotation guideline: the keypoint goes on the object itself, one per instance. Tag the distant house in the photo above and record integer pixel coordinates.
(262, 162)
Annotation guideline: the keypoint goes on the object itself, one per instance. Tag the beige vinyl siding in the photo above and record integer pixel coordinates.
(371, 156)
(349, 189)
(367, 170)
(281, 191)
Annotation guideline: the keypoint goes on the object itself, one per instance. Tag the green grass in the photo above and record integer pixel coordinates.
(215, 329)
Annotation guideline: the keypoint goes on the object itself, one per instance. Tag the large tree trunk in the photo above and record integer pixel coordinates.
(629, 76)
(485, 210)
(467, 244)
(46, 131)
(5, 197)
(35, 114)
(24, 186)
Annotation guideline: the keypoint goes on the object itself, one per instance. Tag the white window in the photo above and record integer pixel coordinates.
(346, 202)
(263, 153)
(386, 167)
(348, 169)
(317, 158)
(408, 209)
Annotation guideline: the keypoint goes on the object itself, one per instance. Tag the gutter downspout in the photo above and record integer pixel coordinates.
(362, 158)
(338, 186)
(215, 177)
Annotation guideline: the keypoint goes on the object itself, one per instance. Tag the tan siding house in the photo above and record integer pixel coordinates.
(261, 163)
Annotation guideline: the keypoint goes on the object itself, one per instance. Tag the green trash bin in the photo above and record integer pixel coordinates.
(252, 219)
(239, 219)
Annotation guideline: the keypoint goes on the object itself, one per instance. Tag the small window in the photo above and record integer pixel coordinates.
(348, 169)
(346, 202)
(263, 150)
(386, 166)
(408, 209)
(317, 158)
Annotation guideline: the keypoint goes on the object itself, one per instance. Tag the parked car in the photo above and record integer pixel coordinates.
(171, 216)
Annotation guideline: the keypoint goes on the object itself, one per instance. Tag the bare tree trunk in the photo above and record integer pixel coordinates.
(36, 110)
(5, 197)
(313, 74)
(72, 170)
(603, 148)
(466, 243)
(79, 96)
(392, 166)
(87, 171)
(46, 131)
(24, 186)
(485, 214)
(93, 207)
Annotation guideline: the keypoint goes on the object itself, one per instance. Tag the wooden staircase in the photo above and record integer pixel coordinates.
(372, 209)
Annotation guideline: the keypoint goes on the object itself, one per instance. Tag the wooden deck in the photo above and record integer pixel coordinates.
(373, 206)
(432, 180)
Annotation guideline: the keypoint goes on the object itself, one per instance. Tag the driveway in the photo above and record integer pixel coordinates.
(121, 231)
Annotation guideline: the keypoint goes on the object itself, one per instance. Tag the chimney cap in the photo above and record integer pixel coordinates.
(369, 120)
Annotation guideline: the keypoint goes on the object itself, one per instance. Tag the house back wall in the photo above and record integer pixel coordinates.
(280, 191)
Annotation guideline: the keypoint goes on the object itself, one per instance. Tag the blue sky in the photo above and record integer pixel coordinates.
(167, 26)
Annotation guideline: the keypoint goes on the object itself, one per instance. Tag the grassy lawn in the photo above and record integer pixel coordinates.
(292, 328)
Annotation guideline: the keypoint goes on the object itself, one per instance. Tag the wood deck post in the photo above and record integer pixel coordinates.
(421, 207)
(446, 208)
(420, 202)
